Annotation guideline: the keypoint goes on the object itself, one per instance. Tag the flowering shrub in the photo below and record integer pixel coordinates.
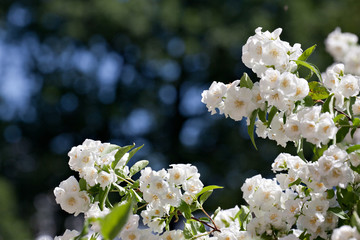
(309, 198)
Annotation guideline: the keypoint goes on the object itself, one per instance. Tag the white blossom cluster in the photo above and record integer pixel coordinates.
(278, 87)
(90, 160)
(265, 50)
(345, 233)
(70, 198)
(309, 123)
(345, 49)
(282, 90)
(165, 188)
(298, 194)
(229, 225)
(342, 85)
(233, 101)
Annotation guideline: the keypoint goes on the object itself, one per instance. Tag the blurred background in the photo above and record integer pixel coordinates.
(125, 71)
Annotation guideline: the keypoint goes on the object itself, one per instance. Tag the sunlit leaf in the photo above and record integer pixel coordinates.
(208, 188)
(251, 127)
(112, 224)
(338, 212)
(138, 166)
(306, 54)
(311, 67)
(317, 91)
(245, 81)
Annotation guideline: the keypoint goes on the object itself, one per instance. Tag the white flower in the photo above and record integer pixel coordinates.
(178, 173)
(356, 107)
(68, 235)
(193, 186)
(173, 235)
(105, 179)
(349, 86)
(94, 213)
(214, 96)
(70, 198)
(352, 60)
(135, 234)
(90, 174)
(338, 44)
(280, 162)
(225, 218)
(345, 233)
(289, 237)
(354, 158)
(292, 127)
(188, 198)
(238, 103)
(132, 223)
(248, 188)
(277, 131)
(274, 53)
(261, 129)
(158, 185)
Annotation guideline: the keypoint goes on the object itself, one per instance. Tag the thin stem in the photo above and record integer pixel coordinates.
(126, 180)
(201, 235)
(216, 228)
(339, 111)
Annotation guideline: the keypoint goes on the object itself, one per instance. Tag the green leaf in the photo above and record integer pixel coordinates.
(328, 105)
(243, 215)
(205, 196)
(245, 81)
(300, 148)
(271, 115)
(208, 188)
(311, 67)
(353, 148)
(306, 54)
(136, 196)
(262, 115)
(217, 211)
(197, 227)
(338, 212)
(341, 134)
(185, 209)
(138, 166)
(349, 105)
(297, 182)
(112, 223)
(355, 220)
(330, 193)
(308, 101)
(317, 91)
(356, 122)
(341, 119)
(188, 234)
(251, 127)
(82, 184)
(132, 152)
(120, 153)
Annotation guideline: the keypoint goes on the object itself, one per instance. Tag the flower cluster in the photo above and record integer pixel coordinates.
(344, 48)
(162, 190)
(70, 198)
(265, 50)
(89, 159)
(308, 123)
(299, 194)
(310, 197)
(306, 199)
